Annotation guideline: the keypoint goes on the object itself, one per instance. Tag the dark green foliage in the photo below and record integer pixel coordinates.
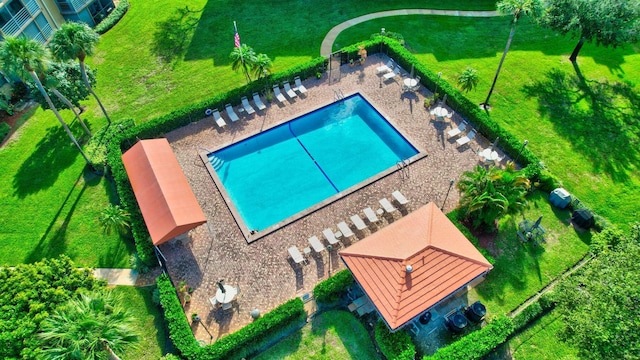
(177, 323)
(478, 343)
(331, 289)
(605, 240)
(394, 346)
(29, 293)
(112, 19)
(541, 178)
(66, 77)
(455, 218)
(530, 313)
(4, 130)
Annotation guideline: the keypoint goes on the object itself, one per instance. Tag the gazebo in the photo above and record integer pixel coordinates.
(413, 264)
(167, 203)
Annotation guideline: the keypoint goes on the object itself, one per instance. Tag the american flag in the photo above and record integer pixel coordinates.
(236, 36)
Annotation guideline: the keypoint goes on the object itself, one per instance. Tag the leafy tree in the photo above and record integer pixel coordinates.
(77, 41)
(469, 79)
(599, 305)
(607, 22)
(115, 218)
(489, 193)
(28, 294)
(88, 328)
(244, 58)
(262, 66)
(517, 8)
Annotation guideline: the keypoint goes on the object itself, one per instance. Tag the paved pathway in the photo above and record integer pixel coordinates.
(327, 43)
(117, 276)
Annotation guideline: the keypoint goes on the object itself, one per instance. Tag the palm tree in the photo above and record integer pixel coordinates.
(115, 218)
(469, 79)
(243, 57)
(262, 66)
(77, 41)
(23, 56)
(95, 325)
(516, 8)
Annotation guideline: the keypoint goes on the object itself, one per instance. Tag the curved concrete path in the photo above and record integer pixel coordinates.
(327, 43)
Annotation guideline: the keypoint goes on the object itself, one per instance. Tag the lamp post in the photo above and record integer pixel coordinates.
(446, 196)
(524, 144)
(329, 248)
(197, 318)
(435, 93)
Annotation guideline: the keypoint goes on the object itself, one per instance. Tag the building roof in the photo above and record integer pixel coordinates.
(442, 260)
(166, 200)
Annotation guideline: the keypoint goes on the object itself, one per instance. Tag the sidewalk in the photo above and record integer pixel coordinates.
(114, 277)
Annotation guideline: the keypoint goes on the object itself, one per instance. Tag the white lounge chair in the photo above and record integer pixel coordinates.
(288, 90)
(278, 94)
(465, 139)
(391, 75)
(296, 255)
(457, 131)
(216, 116)
(258, 102)
(398, 196)
(385, 68)
(316, 244)
(331, 237)
(386, 205)
(247, 107)
(344, 228)
(299, 87)
(371, 215)
(357, 221)
(231, 113)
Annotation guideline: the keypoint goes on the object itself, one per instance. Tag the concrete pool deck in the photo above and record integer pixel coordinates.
(263, 272)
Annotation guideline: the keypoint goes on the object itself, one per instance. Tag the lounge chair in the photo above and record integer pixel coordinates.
(331, 237)
(344, 228)
(276, 92)
(296, 255)
(371, 215)
(385, 68)
(231, 113)
(258, 102)
(316, 244)
(457, 131)
(288, 90)
(216, 116)
(391, 75)
(465, 139)
(299, 87)
(398, 196)
(247, 107)
(357, 221)
(386, 205)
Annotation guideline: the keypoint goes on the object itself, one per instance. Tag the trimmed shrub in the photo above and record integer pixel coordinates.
(455, 218)
(331, 289)
(394, 346)
(112, 19)
(4, 130)
(177, 323)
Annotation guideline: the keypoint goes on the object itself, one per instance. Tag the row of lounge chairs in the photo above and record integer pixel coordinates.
(390, 70)
(291, 92)
(459, 130)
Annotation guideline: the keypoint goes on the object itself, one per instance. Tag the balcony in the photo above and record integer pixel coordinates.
(73, 6)
(21, 19)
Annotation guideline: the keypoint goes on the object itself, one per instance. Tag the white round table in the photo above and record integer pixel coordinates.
(410, 83)
(227, 296)
(440, 111)
(489, 154)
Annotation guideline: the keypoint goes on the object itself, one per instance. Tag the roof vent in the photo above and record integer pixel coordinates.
(409, 268)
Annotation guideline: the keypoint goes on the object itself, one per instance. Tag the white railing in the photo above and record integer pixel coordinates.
(32, 6)
(78, 4)
(19, 20)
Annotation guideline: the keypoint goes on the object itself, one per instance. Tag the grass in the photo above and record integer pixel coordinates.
(154, 341)
(330, 335)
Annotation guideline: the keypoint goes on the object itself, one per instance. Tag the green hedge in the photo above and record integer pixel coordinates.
(454, 216)
(479, 343)
(394, 345)
(4, 130)
(177, 323)
(331, 289)
(112, 19)
(535, 310)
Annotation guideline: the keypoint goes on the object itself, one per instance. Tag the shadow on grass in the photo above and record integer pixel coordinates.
(173, 35)
(599, 118)
(162, 334)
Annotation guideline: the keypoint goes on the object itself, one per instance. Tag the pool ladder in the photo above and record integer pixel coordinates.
(403, 167)
(338, 94)
(216, 162)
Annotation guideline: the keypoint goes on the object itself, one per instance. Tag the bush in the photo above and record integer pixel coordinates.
(331, 289)
(455, 218)
(4, 130)
(177, 323)
(112, 19)
(394, 346)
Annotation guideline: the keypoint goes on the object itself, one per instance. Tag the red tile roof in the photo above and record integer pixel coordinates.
(441, 257)
(166, 200)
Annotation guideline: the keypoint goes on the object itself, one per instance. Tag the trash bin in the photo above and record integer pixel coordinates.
(583, 218)
(560, 198)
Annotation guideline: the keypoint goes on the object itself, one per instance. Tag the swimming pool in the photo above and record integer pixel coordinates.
(285, 170)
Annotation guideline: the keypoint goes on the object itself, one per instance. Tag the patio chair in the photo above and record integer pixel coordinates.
(399, 197)
(385, 68)
(288, 90)
(344, 228)
(296, 255)
(276, 92)
(299, 87)
(258, 102)
(450, 115)
(386, 205)
(371, 215)
(391, 75)
(357, 221)
(216, 116)
(465, 139)
(214, 302)
(331, 237)
(227, 306)
(231, 113)
(316, 244)
(458, 130)
(247, 107)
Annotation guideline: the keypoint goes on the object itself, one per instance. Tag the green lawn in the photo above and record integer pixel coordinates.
(331, 335)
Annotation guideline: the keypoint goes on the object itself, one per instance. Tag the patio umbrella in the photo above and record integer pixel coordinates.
(221, 287)
(495, 143)
(411, 76)
(537, 223)
(444, 99)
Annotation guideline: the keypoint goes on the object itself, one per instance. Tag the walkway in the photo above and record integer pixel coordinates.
(117, 276)
(327, 43)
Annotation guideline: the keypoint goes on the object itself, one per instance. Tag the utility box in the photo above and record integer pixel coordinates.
(560, 198)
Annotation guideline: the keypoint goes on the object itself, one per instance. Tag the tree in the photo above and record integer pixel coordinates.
(517, 8)
(607, 22)
(243, 57)
(261, 66)
(77, 41)
(489, 193)
(599, 305)
(115, 218)
(88, 328)
(468, 80)
(23, 56)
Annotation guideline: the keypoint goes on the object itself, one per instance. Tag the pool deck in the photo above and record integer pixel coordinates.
(262, 270)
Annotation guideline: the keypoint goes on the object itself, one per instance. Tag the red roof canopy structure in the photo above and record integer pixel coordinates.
(414, 263)
(166, 200)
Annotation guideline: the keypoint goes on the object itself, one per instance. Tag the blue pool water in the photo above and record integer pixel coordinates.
(280, 172)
